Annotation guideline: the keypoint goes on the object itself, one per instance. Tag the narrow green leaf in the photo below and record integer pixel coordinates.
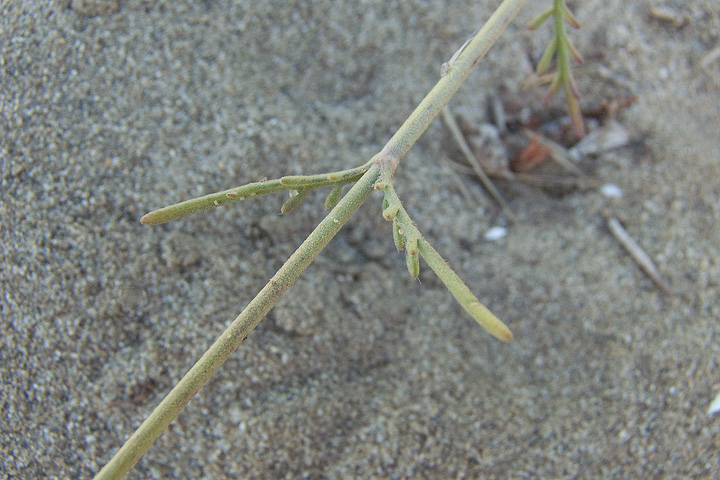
(570, 18)
(547, 56)
(390, 212)
(540, 19)
(294, 201)
(489, 321)
(333, 197)
(213, 200)
(552, 91)
(570, 82)
(346, 175)
(574, 52)
(398, 236)
(295, 180)
(412, 243)
(574, 109)
(463, 295)
(413, 264)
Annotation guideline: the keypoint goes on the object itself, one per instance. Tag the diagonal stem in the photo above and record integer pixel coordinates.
(238, 330)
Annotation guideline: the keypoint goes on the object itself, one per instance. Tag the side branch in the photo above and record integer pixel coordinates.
(408, 237)
(255, 189)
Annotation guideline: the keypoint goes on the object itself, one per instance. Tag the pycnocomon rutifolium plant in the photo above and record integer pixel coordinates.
(376, 174)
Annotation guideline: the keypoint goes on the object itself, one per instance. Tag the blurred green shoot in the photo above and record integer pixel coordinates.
(562, 49)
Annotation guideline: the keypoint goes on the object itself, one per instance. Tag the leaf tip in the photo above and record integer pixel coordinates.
(489, 321)
(152, 219)
(413, 263)
(505, 336)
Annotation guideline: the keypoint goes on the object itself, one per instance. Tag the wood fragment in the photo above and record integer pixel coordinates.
(609, 108)
(638, 254)
(610, 136)
(567, 182)
(670, 15)
(497, 110)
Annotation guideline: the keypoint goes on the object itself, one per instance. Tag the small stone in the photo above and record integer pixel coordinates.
(495, 234)
(611, 190)
(714, 405)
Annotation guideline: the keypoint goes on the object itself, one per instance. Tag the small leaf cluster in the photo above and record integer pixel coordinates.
(408, 238)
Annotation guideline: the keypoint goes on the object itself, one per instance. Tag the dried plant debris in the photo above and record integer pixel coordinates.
(670, 16)
(638, 254)
(519, 143)
(608, 137)
(459, 138)
(520, 153)
(609, 108)
(530, 157)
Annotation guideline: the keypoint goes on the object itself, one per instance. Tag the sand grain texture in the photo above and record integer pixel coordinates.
(111, 109)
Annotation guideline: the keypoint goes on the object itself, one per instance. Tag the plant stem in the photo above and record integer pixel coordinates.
(238, 194)
(564, 73)
(463, 294)
(238, 330)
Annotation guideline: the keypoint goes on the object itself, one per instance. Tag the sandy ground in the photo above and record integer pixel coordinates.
(113, 108)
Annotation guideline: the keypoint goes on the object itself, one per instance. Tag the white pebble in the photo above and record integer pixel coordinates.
(611, 190)
(714, 405)
(495, 233)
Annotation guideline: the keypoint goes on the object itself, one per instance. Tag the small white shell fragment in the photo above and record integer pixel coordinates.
(714, 405)
(495, 234)
(610, 190)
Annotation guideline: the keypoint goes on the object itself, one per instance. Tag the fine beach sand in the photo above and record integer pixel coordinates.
(112, 108)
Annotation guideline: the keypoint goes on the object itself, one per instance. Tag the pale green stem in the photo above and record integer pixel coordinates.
(563, 56)
(463, 294)
(255, 189)
(394, 150)
(564, 74)
(238, 330)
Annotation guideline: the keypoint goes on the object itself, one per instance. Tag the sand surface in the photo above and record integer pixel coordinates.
(109, 109)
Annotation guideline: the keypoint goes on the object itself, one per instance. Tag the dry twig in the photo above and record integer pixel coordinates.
(459, 138)
(638, 254)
